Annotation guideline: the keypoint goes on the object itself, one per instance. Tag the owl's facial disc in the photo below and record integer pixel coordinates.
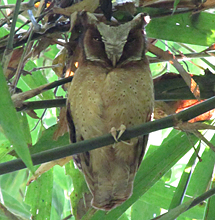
(114, 39)
(114, 45)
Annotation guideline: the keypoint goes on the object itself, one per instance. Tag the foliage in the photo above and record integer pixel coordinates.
(170, 174)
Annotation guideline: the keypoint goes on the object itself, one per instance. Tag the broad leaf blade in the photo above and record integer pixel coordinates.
(198, 29)
(174, 213)
(39, 196)
(10, 124)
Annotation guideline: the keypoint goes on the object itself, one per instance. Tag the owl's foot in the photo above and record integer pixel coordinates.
(113, 133)
(121, 130)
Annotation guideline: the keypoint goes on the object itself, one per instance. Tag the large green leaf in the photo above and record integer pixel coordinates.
(10, 123)
(47, 142)
(61, 191)
(158, 196)
(80, 190)
(186, 28)
(39, 196)
(15, 206)
(203, 174)
(181, 188)
(4, 146)
(174, 213)
(3, 32)
(210, 211)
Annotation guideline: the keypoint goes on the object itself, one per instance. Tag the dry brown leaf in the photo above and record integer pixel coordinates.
(163, 109)
(62, 124)
(86, 5)
(84, 204)
(47, 166)
(13, 63)
(19, 98)
(194, 88)
(183, 104)
(32, 114)
(40, 46)
(127, 6)
(61, 59)
(194, 129)
(6, 59)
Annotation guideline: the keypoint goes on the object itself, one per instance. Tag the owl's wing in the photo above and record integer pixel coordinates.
(142, 142)
(72, 135)
(70, 124)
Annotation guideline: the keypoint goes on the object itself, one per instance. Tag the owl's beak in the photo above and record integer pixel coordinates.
(114, 58)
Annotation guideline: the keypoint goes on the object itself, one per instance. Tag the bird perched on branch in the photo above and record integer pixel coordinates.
(111, 88)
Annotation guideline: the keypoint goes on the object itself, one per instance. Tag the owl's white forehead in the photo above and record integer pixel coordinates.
(114, 33)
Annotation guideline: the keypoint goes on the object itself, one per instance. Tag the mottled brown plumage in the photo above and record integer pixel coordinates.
(112, 86)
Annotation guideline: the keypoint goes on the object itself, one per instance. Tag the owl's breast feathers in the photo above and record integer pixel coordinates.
(98, 100)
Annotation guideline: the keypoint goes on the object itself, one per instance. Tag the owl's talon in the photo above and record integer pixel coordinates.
(113, 133)
(121, 130)
(125, 142)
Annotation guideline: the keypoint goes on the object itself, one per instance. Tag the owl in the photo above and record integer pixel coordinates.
(111, 87)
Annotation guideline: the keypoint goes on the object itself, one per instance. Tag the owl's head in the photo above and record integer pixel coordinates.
(113, 44)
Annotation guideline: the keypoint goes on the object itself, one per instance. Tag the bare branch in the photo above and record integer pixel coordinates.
(87, 145)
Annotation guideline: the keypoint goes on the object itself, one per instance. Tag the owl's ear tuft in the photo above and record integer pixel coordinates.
(147, 19)
(88, 18)
(141, 19)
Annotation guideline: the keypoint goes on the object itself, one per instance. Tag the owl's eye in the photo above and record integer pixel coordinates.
(98, 39)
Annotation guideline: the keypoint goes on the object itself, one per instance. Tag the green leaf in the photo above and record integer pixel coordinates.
(4, 146)
(12, 183)
(3, 32)
(194, 29)
(36, 79)
(80, 192)
(176, 2)
(46, 141)
(58, 200)
(39, 196)
(158, 196)
(25, 127)
(123, 217)
(15, 206)
(202, 175)
(181, 188)
(174, 213)
(10, 123)
(61, 192)
(64, 181)
(210, 211)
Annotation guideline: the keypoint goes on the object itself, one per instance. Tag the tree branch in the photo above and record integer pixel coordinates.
(165, 90)
(195, 202)
(107, 139)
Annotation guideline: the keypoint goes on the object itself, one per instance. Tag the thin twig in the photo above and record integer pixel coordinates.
(40, 119)
(21, 62)
(20, 97)
(9, 48)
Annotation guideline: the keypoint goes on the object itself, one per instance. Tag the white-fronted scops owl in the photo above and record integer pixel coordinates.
(112, 87)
